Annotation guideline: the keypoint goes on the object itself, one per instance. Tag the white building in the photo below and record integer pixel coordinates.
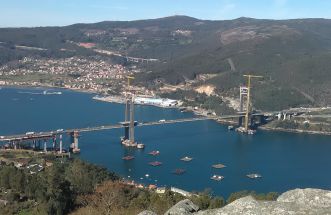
(156, 101)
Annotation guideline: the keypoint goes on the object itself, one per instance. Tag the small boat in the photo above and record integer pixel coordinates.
(155, 163)
(254, 176)
(217, 177)
(186, 159)
(244, 131)
(140, 146)
(154, 153)
(127, 158)
(179, 171)
(146, 175)
(218, 166)
(230, 127)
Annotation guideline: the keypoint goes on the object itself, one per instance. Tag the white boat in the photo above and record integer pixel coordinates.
(140, 146)
(254, 175)
(217, 177)
(186, 158)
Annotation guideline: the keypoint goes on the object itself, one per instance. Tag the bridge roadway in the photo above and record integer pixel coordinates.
(50, 134)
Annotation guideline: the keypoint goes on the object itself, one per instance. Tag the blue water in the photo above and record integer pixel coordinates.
(285, 160)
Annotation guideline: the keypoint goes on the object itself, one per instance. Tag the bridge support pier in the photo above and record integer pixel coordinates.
(126, 133)
(240, 121)
(54, 143)
(131, 126)
(60, 144)
(34, 144)
(74, 140)
(45, 146)
(252, 121)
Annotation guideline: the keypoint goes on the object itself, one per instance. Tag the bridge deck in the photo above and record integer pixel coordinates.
(48, 134)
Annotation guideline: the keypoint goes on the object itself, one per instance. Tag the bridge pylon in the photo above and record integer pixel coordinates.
(131, 130)
(74, 142)
(129, 122)
(248, 100)
(243, 94)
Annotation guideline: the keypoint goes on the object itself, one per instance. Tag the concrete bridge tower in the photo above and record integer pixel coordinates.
(74, 141)
(131, 131)
(129, 113)
(248, 105)
(243, 94)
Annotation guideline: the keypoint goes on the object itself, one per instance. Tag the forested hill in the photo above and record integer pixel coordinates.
(293, 55)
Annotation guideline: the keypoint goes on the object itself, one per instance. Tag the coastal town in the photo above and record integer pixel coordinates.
(93, 74)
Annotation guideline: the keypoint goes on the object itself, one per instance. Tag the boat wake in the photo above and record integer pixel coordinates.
(45, 92)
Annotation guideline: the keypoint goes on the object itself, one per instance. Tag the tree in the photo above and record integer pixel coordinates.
(59, 195)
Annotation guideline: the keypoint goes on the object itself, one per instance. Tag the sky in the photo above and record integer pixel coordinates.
(30, 13)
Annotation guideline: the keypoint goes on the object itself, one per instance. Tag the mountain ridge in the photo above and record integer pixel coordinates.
(292, 54)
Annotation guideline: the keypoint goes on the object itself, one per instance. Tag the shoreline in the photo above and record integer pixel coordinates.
(49, 87)
(187, 109)
(296, 131)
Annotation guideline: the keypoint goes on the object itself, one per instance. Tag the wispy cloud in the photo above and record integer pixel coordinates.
(228, 8)
(281, 9)
(225, 10)
(115, 7)
(280, 3)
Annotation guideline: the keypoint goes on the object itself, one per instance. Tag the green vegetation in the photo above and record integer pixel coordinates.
(272, 196)
(119, 198)
(52, 191)
(316, 124)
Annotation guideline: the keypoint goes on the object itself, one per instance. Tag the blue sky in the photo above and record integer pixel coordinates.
(17, 13)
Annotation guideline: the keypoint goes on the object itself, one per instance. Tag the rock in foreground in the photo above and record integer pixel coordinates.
(184, 207)
(298, 201)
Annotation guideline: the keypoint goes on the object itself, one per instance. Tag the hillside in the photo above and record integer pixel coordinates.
(292, 55)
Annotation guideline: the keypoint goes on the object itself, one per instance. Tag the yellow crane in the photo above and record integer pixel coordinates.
(248, 98)
(129, 78)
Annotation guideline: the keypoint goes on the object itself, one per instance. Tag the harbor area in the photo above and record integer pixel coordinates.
(142, 100)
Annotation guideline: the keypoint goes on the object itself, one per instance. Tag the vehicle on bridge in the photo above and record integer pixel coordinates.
(30, 133)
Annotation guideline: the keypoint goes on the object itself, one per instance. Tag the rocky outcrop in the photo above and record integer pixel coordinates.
(298, 201)
(184, 207)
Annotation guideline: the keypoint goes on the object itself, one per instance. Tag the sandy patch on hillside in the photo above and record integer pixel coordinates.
(207, 89)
